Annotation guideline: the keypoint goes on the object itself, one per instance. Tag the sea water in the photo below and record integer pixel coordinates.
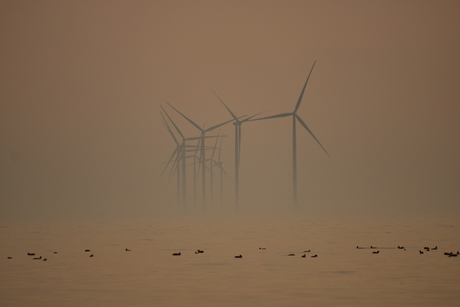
(149, 275)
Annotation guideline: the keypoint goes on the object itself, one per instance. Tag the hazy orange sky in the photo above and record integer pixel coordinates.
(82, 83)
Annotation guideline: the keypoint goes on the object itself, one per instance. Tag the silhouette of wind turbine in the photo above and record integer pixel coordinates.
(295, 118)
(202, 155)
(237, 123)
(180, 162)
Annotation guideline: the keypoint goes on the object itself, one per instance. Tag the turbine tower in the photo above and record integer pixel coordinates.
(295, 118)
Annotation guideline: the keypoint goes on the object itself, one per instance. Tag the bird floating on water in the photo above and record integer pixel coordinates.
(239, 256)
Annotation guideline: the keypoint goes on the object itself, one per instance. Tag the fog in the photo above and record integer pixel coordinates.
(82, 83)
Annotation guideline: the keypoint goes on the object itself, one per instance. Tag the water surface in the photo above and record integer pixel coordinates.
(149, 275)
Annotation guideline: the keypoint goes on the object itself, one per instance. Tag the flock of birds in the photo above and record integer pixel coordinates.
(425, 249)
(199, 251)
(376, 251)
(304, 255)
(45, 259)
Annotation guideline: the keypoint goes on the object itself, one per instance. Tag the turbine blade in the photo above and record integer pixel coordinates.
(193, 138)
(169, 129)
(175, 126)
(189, 120)
(249, 118)
(223, 170)
(215, 146)
(273, 116)
(231, 113)
(169, 161)
(308, 129)
(303, 90)
(217, 126)
(206, 137)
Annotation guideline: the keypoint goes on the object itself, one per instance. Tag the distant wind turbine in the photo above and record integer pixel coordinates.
(180, 162)
(202, 155)
(295, 118)
(237, 123)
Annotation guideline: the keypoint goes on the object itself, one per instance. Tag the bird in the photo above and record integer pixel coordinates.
(303, 256)
(30, 254)
(420, 252)
(44, 259)
(307, 251)
(199, 251)
(239, 256)
(128, 250)
(87, 250)
(314, 256)
(9, 258)
(376, 252)
(37, 258)
(434, 248)
(262, 248)
(176, 254)
(291, 255)
(91, 255)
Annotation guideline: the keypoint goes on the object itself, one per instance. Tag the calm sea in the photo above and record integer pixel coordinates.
(148, 274)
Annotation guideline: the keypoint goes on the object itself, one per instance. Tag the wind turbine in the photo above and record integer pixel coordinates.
(237, 123)
(180, 162)
(295, 118)
(202, 155)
